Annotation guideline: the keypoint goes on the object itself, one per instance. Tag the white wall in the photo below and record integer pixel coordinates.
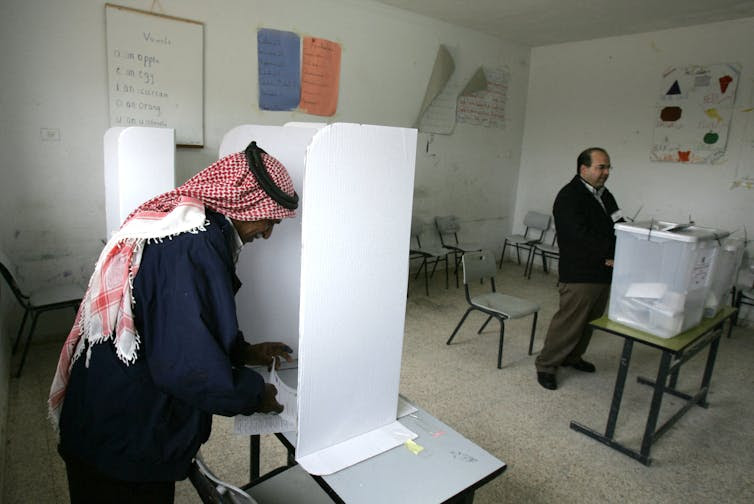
(603, 93)
(55, 77)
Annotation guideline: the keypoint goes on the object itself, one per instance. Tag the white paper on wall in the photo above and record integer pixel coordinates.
(356, 216)
(693, 113)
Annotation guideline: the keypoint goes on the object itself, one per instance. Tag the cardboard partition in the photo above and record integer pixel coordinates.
(270, 270)
(139, 164)
(356, 215)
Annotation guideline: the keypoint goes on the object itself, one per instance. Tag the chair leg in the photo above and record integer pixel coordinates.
(28, 342)
(447, 285)
(20, 331)
(502, 256)
(500, 348)
(484, 325)
(533, 330)
(459, 325)
(421, 267)
(518, 254)
(457, 261)
(426, 277)
(529, 263)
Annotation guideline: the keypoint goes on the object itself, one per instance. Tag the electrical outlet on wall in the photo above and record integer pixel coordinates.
(49, 134)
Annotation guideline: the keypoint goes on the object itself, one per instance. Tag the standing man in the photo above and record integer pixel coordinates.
(584, 213)
(155, 350)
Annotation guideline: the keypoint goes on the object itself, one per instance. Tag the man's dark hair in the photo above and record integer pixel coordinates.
(585, 158)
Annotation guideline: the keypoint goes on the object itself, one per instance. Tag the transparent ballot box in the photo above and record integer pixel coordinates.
(662, 275)
(727, 264)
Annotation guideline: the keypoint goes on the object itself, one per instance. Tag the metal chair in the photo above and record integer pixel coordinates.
(448, 229)
(480, 266)
(35, 303)
(535, 226)
(288, 484)
(426, 253)
(547, 251)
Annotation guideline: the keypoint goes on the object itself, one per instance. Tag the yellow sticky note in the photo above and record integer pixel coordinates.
(413, 447)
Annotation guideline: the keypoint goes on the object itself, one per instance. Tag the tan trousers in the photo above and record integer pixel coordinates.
(568, 335)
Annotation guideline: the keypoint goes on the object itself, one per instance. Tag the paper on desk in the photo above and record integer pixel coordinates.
(354, 450)
(261, 423)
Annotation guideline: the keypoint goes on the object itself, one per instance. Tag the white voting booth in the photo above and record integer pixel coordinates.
(331, 283)
(139, 164)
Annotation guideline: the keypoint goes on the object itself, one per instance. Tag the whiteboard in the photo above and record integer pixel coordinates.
(155, 66)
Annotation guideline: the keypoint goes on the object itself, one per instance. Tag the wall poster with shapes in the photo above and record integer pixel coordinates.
(278, 62)
(482, 101)
(693, 113)
(155, 67)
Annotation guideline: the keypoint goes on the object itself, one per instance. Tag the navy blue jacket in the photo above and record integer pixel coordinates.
(585, 233)
(146, 421)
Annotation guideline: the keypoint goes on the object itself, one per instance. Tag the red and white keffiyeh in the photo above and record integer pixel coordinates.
(227, 187)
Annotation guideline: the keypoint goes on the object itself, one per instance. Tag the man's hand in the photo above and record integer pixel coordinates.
(263, 354)
(269, 404)
(609, 263)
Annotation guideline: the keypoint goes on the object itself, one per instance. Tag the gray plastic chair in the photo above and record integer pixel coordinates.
(480, 266)
(535, 225)
(426, 253)
(50, 298)
(448, 228)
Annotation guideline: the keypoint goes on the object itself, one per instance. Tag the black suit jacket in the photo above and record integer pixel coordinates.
(585, 233)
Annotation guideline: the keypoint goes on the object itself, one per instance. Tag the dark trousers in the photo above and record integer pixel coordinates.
(568, 335)
(88, 486)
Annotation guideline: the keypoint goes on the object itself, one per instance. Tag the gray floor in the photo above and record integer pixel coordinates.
(707, 457)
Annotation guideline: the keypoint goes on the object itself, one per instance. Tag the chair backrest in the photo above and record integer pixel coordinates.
(6, 269)
(478, 266)
(537, 222)
(447, 226)
(417, 228)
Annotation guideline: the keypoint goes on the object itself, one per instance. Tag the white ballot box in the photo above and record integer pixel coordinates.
(662, 276)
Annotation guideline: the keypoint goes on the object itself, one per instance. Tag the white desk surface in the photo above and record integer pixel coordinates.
(447, 465)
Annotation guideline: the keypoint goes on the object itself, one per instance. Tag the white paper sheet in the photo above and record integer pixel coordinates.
(647, 290)
(262, 423)
(354, 450)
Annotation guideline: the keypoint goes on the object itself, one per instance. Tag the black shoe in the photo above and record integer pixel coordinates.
(547, 380)
(583, 365)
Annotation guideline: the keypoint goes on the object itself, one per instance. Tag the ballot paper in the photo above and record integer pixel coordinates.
(264, 423)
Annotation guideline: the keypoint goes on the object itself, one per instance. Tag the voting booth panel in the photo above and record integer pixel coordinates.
(662, 275)
(139, 164)
(357, 201)
(335, 276)
(270, 270)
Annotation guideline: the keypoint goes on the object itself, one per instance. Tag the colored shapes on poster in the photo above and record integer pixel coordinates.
(724, 81)
(670, 114)
(683, 156)
(712, 113)
(320, 75)
(711, 138)
(278, 57)
(675, 89)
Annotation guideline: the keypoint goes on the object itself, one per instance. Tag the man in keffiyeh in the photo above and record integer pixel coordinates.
(155, 350)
